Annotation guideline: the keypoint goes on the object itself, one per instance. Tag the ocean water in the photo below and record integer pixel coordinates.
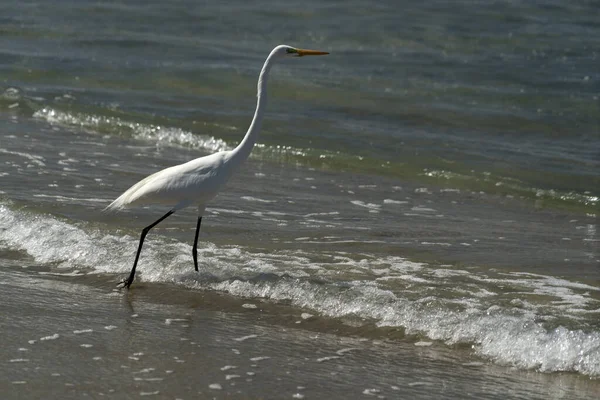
(438, 173)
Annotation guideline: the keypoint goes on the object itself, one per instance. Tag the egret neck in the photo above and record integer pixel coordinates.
(242, 151)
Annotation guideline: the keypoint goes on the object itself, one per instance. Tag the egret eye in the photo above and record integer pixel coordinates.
(289, 50)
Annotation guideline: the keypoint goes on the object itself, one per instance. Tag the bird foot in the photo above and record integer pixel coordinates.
(125, 283)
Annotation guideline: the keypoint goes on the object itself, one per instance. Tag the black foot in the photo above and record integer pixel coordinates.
(125, 283)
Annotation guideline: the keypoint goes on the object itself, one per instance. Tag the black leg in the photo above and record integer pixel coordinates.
(195, 248)
(127, 283)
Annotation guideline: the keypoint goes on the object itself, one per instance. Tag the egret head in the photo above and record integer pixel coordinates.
(289, 51)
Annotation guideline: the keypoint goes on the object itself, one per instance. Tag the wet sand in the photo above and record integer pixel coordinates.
(75, 337)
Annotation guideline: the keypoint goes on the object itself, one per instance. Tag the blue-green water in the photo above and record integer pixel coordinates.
(438, 172)
(501, 97)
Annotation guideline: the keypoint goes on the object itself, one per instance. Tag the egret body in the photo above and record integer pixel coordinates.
(198, 181)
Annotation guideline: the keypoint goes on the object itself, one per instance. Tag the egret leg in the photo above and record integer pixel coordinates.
(195, 248)
(127, 282)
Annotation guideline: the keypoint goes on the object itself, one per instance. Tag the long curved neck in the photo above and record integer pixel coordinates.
(242, 151)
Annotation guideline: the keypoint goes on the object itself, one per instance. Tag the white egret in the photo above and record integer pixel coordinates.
(198, 181)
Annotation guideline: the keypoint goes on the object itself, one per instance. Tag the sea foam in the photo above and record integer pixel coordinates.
(155, 133)
(401, 294)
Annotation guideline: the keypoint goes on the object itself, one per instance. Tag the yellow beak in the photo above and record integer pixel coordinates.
(305, 52)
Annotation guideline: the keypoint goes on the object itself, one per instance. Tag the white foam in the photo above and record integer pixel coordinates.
(321, 214)
(423, 344)
(50, 337)
(49, 240)
(502, 336)
(261, 358)
(391, 201)
(370, 206)
(329, 358)
(508, 333)
(224, 210)
(423, 190)
(257, 200)
(154, 133)
(72, 199)
(346, 350)
(33, 158)
(169, 321)
(150, 393)
(71, 273)
(145, 371)
(423, 209)
(244, 338)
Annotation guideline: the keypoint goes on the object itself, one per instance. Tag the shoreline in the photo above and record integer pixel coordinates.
(71, 337)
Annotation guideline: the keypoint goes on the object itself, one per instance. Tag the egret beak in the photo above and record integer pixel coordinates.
(305, 52)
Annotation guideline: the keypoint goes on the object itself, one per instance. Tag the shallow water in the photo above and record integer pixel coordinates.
(436, 174)
(69, 336)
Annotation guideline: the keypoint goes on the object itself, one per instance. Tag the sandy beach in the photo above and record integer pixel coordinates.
(73, 340)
